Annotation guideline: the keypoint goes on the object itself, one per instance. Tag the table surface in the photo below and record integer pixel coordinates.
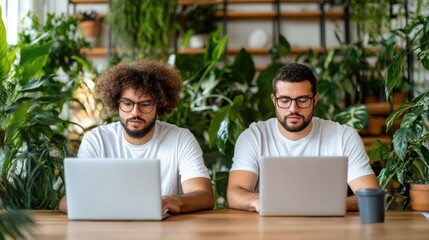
(234, 224)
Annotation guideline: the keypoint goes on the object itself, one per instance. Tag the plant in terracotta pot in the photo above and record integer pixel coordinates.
(90, 25)
(407, 160)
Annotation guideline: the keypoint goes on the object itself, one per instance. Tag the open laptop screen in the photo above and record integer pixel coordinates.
(303, 186)
(113, 189)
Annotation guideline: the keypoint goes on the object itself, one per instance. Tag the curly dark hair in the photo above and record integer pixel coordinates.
(153, 77)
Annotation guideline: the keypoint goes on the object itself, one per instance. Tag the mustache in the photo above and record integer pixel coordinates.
(135, 118)
(294, 115)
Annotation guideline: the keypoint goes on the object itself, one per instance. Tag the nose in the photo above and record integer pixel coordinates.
(136, 110)
(293, 106)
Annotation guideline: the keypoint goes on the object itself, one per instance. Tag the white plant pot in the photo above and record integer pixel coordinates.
(197, 41)
(258, 39)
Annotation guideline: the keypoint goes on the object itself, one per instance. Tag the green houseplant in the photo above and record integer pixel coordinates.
(34, 99)
(143, 28)
(337, 71)
(407, 161)
(13, 224)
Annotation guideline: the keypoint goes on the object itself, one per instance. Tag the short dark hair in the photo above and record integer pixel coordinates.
(295, 72)
(153, 77)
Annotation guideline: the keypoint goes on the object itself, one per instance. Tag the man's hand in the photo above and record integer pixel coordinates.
(171, 204)
(197, 195)
(241, 193)
(255, 205)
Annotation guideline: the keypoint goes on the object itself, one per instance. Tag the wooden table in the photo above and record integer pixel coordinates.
(233, 224)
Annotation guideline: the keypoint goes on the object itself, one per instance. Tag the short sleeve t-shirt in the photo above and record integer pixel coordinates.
(327, 138)
(178, 150)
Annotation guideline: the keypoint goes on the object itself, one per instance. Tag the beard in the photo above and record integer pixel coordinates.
(138, 133)
(294, 127)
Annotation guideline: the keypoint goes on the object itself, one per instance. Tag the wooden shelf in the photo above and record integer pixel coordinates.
(250, 15)
(385, 139)
(88, 1)
(302, 15)
(252, 51)
(380, 108)
(198, 2)
(95, 52)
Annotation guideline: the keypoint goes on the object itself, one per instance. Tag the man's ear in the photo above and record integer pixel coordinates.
(273, 99)
(315, 98)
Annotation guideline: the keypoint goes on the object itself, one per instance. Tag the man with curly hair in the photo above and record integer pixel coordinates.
(141, 91)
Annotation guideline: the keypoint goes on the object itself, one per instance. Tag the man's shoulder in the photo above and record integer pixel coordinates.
(261, 127)
(108, 129)
(263, 124)
(166, 128)
(331, 126)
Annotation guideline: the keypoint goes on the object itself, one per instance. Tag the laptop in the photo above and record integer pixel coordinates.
(303, 186)
(113, 189)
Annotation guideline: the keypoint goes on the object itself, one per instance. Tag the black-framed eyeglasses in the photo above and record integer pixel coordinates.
(301, 101)
(126, 105)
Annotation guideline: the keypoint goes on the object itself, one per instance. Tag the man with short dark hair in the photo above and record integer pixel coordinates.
(294, 132)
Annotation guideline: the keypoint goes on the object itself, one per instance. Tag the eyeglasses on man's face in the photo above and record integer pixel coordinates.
(126, 105)
(301, 101)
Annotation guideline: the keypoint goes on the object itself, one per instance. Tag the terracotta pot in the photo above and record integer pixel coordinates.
(371, 99)
(419, 196)
(376, 125)
(90, 28)
(399, 98)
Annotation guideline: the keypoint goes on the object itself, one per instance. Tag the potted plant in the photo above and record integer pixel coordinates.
(90, 23)
(407, 161)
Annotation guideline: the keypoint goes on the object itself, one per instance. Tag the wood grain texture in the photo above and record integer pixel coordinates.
(236, 225)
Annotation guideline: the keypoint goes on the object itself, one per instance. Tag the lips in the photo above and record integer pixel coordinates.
(294, 118)
(135, 122)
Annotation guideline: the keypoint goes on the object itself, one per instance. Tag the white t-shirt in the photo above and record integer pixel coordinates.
(326, 138)
(180, 154)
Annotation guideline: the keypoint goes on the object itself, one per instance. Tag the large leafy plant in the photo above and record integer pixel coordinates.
(12, 223)
(407, 160)
(143, 28)
(33, 132)
(67, 42)
(339, 71)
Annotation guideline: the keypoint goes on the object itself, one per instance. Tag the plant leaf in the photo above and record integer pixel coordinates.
(400, 141)
(354, 116)
(4, 60)
(243, 67)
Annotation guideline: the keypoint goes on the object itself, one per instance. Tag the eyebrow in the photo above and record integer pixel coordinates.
(147, 100)
(282, 96)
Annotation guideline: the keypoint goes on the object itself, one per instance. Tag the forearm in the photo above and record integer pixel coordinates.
(243, 199)
(189, 202)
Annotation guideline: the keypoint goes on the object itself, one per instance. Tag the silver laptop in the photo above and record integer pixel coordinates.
(113, 189)
(303, 186)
